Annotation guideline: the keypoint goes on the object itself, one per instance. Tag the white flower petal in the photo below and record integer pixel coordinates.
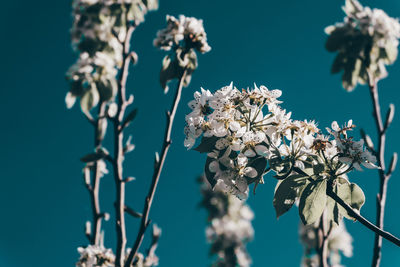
(250, 153)
(214, 166)
(262, 150)
(250, 172)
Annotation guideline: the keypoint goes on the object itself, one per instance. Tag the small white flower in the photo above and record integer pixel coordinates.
(185, 29)
(95, 256)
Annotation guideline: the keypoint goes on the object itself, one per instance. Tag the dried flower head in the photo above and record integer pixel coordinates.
(366, 41)
(186, 32)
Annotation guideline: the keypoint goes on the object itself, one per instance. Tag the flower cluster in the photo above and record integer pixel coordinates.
(339, 242)
(98, 256)
(230, 227)
(182, 37)
(188, 30)
(143, 261)
(95, 256)
(98, 31)
(366, 41)
(244, 131)
(351, 152)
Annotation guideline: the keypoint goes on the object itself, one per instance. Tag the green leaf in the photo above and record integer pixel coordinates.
(338, 63)
(190, 63)
(209, 175)
(207, 144)
(283, 168)
(287, 193)
(170, 70)
(306, 172)
(151, 4)
(89, 100)
(391, 52)
(77, 88)
(353, 195)
(318, 168)
(130, 117)
(332, 209)
(136, 13)
(259, 164)
(92, 157)
(351, 73)
(336, 39)
(357, 196)
(313, 201)
(107, 88)
(101, 131)
(173, 67)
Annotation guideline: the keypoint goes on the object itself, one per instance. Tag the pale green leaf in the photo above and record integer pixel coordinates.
(352, 195)
(313, 201)
(209, 175)
(207, 144)
(287, 192)
(89, 100)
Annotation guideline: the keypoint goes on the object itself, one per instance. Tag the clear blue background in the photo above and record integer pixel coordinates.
(43, 202)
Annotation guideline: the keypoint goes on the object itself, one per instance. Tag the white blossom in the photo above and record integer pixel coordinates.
(351, 152)
(95, 256)
(366, 41)
(339, 243)
(97, 35)
(229, 229)
(186, 31)
(243, 130)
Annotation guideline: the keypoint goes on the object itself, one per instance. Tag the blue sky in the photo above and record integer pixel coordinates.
(276, 43)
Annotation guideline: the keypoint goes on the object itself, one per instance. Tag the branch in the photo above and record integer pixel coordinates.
(157, 172)
(132, 212)
(119, 151)
(361, 219)
(384, 177)
(93, 188)
(322, 242)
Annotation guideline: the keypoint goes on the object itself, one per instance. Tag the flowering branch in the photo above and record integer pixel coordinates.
(158, 165)
(366, 42)
(388, 236)
(383, 174)
(181, 37)
(119, 150)
(101, 33)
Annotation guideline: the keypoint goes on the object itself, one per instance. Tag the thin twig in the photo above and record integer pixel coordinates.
(93, 185)
(119, 151)
(388, 236)
(157, 172)
(384, 177)
(322, 244)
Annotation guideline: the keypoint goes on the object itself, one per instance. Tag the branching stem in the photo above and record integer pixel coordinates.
(322, 238)
(96, 174)
(145, 222)
(383, 176)
(388, 236)
(119, 151)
